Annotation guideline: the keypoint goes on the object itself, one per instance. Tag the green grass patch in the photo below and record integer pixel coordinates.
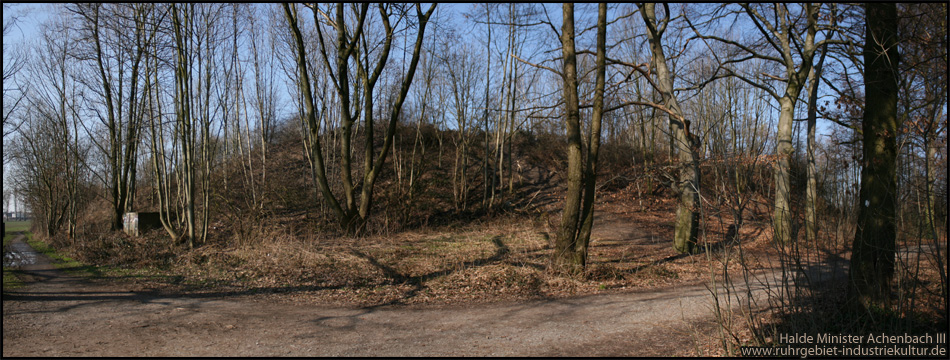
(15, 226)
(61, 261)
(10, 281)
(12, 227)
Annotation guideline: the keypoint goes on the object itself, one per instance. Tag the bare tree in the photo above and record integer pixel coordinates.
(487, 175)
(189, 110)
(462, 68)
(154, 112)
(922, 105)
(352, 215)
(49, 153)
(781, 43)
(811, 186)
(573, 236)
(107, 41)
(264, 100)
(13, 94)
(687, 144)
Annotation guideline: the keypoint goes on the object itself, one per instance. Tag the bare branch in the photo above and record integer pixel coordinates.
(535, 65)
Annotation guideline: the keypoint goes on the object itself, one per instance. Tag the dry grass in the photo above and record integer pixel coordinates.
(502, 258)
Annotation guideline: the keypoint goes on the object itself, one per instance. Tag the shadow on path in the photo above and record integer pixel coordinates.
(501, 251)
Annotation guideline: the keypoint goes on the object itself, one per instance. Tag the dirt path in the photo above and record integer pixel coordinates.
(61, 315)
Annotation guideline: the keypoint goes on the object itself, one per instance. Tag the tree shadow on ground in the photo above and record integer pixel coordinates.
(417, 282)
(85, 291)
(811, 298)
(721, 245)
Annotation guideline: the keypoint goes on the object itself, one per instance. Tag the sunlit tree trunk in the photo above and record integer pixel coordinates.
(567, 232)
(157, 143)
(811, 187)
(686, 225)
(573, 236)
(593, 142)
(488, 175)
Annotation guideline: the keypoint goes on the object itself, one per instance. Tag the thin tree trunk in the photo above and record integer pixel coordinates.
(318, 167)
(489, 184)
(782, 217)
(183, 27)
(593, 142)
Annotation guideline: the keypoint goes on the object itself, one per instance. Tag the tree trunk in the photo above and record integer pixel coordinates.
(593, 142)
(352, 215)
(686, 227)
(371, 174)
(931, 178)
(872, 259)
(781, 216)
(931, 150)
(486, 172)
(183, 27)
(573, 236)
(158, 149)
(811, 188)
(567, 232)
(317, 164)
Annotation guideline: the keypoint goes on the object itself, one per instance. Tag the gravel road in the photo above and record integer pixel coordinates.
(61, 315)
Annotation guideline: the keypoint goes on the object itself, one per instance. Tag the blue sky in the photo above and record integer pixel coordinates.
(30, 17)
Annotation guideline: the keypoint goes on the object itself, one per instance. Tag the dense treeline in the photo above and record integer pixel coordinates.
(367, 118)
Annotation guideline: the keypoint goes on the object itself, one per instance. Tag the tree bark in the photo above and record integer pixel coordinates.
(567, 232)
(593, 141)
(687, 211)
(872, 259)
(811, 187)
(573, 236)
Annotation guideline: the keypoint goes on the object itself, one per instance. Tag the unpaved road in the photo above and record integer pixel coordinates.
(60, 315)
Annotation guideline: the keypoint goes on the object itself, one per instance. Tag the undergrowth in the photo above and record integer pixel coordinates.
(497, 258)
(810, 297)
